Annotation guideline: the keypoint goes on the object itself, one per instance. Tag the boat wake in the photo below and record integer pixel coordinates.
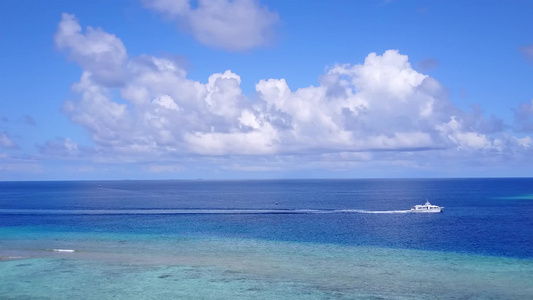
(374, 211)
(188, 211)
(62, 250)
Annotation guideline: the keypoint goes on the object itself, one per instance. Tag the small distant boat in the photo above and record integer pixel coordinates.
(427, 208)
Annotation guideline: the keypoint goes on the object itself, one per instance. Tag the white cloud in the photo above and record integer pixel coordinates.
(257, 142)
(224, 94)
(6, 142)
(166, 102)
(61, 148)
(467, 139)
(525, 142)
(99, 53)
(234, 25)
(381, 104)
(356, 112)
(108, 121)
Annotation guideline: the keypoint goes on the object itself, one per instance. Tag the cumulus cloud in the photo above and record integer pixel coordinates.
(99, 53)
(464, 139)
(234, 25)
(355, 114)
(107, 120)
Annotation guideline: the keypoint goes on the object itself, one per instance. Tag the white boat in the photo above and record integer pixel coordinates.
(427, 208)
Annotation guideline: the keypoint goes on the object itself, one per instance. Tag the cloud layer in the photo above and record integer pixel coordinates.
(146, 106)
(6, 142)
(234, 25)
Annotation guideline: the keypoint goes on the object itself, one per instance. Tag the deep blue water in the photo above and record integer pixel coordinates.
(482, 216)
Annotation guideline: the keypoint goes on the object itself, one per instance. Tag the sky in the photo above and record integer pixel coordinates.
(265, 89)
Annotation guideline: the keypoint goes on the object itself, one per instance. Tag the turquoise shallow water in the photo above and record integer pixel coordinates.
(266, 240)
(126, 267)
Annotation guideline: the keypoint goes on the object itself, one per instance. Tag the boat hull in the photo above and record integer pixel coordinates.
(431, 210)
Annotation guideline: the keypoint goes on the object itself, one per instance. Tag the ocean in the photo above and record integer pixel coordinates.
(267, 239)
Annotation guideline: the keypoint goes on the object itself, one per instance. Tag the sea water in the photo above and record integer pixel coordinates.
(275, 239)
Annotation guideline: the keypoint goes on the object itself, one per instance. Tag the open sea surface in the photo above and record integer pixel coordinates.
(271, 239)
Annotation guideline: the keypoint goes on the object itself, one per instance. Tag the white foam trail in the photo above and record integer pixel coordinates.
(189, 211)
(64, 250)
(157, 211)
(361, 211)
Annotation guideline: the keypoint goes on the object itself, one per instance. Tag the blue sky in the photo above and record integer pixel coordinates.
(220, 89)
